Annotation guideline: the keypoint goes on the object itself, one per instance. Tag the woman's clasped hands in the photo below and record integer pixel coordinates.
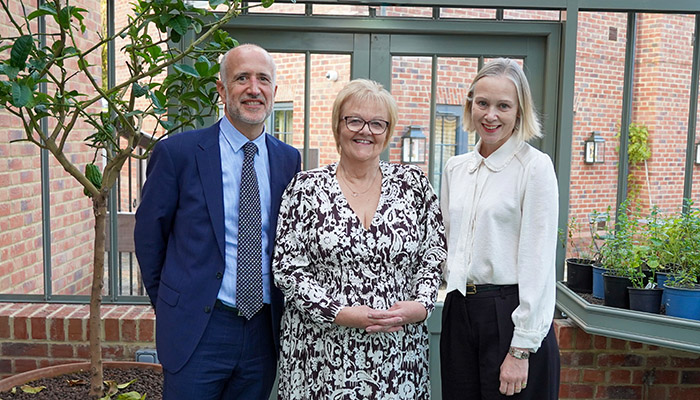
(391, 320)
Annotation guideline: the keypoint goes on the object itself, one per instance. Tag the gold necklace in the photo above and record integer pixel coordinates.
(347, 183)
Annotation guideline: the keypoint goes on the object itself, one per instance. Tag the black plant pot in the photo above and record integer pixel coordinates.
(579, 275)
(647, 300)
(616, 294)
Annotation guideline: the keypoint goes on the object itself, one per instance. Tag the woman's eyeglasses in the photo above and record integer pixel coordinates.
(356, 124)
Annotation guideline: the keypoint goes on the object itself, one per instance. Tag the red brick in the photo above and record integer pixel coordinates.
(608, 360)
(683, 393)
(617, 344)
(76, 330)
(576, 359)
(5, 327)
(570, 375)
(600, 342)
(113, 352)
(111, 328)
(38, 328)
(620, 376)
(666, 377)
(23, 365)
(61, 351)
(580, 392)
(147, 329)
(624, 392)
(690, 378)
(680, 362)
(565, 335)
(57, 329)
(657, 392)
(25, 349)
(657, 361)
(583, 340)
(82, 351)
(5, 366)
(129, 331)
(593, 375)
(20, 325)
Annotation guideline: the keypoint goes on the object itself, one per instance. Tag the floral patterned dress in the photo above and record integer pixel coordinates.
(325, 260)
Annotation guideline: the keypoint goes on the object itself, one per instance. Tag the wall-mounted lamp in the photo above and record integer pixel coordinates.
(594, 149)
(697, 153)
(413, 145)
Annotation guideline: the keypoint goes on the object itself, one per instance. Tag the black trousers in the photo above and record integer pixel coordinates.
(476, 334)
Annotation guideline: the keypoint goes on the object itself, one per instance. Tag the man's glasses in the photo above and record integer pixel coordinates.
(356, 124)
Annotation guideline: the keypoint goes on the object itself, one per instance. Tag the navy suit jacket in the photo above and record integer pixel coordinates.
(180, 239)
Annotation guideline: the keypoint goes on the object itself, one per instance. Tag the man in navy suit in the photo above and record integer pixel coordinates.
(187, 238)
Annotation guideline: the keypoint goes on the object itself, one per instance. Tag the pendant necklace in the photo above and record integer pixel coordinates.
(354, 192)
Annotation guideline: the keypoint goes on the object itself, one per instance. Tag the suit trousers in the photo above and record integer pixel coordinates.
(235, 360)
(476, 334)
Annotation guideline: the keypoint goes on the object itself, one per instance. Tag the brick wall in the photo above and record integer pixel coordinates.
(598, 367)
(593, 367)
(39, 335)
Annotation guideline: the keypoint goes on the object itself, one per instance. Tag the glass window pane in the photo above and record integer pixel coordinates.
(21, 258)
(395, 11)
(276, 8)
(597, 107)
(471, 13)
(542, 15)
(337, 9)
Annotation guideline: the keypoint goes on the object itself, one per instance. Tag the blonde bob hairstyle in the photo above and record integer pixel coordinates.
(527, 125)
(363, 91)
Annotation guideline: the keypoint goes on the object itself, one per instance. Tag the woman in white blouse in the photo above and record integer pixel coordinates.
(500, 205)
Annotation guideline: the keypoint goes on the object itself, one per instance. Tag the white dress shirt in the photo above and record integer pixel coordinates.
(501, 221)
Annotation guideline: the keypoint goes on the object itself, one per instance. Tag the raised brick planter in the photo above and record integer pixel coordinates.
(34, 335)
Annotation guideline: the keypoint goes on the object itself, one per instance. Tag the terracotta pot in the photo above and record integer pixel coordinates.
(56, 370)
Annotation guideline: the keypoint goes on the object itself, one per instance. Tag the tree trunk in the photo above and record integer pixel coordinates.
(99, 205)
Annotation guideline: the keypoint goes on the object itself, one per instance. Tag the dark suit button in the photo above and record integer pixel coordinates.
(219, 275)
(207, 309)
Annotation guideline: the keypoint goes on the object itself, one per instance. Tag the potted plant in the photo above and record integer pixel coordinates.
(621, 258)
(579, 272)
(54, 79)
(681, 290)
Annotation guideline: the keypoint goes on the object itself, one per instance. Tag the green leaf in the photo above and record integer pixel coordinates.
(130, 396)
(180, 24)
(215, 3)
(267, 3)
(21, 94)
(187, 70)
(202, 67)
(139, 91)
(159, 99)
(168, 125)
(39, 13)
(9, 70)
(44, 9)
(20, 51)
(125, 385)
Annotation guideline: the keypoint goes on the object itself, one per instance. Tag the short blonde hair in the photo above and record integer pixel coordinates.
(363, 91)
(527, 125)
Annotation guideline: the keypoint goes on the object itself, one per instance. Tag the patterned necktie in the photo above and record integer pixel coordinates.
(249, 291)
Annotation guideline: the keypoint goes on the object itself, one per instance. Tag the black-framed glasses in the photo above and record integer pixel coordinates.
(376, 126)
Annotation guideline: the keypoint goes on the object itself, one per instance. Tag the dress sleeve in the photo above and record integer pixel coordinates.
(536, 266)
(432, 252)
(290, 264)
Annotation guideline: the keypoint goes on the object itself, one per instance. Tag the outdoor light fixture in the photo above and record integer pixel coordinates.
(413, 145)
(697, 153)
(594, 149)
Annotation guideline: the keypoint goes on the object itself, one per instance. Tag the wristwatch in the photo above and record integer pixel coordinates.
(519, 354)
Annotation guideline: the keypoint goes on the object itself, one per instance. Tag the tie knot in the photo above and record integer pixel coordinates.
(249, 149)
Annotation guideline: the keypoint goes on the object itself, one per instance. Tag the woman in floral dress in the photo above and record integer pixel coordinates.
(358, 253)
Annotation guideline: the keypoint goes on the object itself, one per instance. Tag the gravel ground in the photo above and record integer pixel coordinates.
(148, 382)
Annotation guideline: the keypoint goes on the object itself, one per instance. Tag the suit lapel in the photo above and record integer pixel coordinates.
(209, 166)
